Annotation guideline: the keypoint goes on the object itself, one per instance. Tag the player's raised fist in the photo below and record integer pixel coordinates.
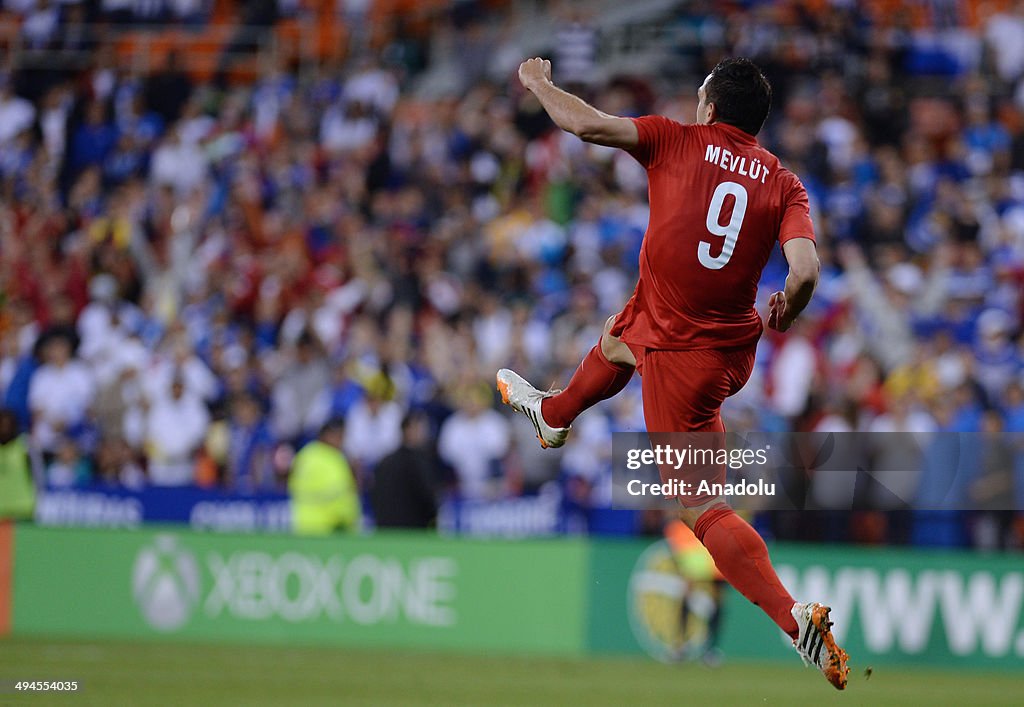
(777, 319)
(534, 71)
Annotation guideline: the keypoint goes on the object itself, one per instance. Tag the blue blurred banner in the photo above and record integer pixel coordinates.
(543, 514)
(200, 508)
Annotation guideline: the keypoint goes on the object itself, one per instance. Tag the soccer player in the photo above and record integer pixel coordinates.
(719, 203)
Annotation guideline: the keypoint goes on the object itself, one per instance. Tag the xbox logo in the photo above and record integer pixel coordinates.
(165, 583)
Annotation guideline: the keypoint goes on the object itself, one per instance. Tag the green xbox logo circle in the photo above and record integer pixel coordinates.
(165, 583)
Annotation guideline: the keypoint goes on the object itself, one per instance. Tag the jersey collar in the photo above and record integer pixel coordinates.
(737, 134)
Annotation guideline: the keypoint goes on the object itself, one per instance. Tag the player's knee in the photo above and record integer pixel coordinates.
(691, 515)
(608, 343)
(608, 324)
(616, 351)
(613, 348)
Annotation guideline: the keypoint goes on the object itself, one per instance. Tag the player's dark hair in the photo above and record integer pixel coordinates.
(741, 94)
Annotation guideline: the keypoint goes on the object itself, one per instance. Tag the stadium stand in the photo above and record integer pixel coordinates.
(353, 210)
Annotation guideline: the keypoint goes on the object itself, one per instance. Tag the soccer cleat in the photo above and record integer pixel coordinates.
(816, 644)
(524, 398)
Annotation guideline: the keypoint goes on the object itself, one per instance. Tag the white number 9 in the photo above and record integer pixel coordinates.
(729, 231)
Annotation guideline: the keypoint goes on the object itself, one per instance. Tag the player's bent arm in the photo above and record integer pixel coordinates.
(802, 256)
(578, 117)
(573, 114)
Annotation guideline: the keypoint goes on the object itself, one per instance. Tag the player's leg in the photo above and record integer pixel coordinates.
(683, 392)
(742, 558)
(603, 373)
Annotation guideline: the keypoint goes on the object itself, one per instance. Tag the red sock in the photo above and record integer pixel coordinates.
(742, 558)
(595, 380)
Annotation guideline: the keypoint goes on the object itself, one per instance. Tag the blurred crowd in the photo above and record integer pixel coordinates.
(196, 279)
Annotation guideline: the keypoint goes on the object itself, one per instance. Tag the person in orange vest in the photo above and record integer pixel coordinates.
(705, 588)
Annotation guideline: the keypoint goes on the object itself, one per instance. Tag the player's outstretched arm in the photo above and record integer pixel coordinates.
(573, 114)
(785, 307)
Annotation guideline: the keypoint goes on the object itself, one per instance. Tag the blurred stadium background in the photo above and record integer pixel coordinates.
(230, 228)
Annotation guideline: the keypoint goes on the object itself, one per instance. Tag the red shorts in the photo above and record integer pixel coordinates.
(683, 391)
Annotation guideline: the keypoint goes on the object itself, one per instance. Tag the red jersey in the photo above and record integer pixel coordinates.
(719, 203)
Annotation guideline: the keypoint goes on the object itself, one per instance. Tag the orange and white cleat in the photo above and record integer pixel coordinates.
(524, 398)
(816, 644)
